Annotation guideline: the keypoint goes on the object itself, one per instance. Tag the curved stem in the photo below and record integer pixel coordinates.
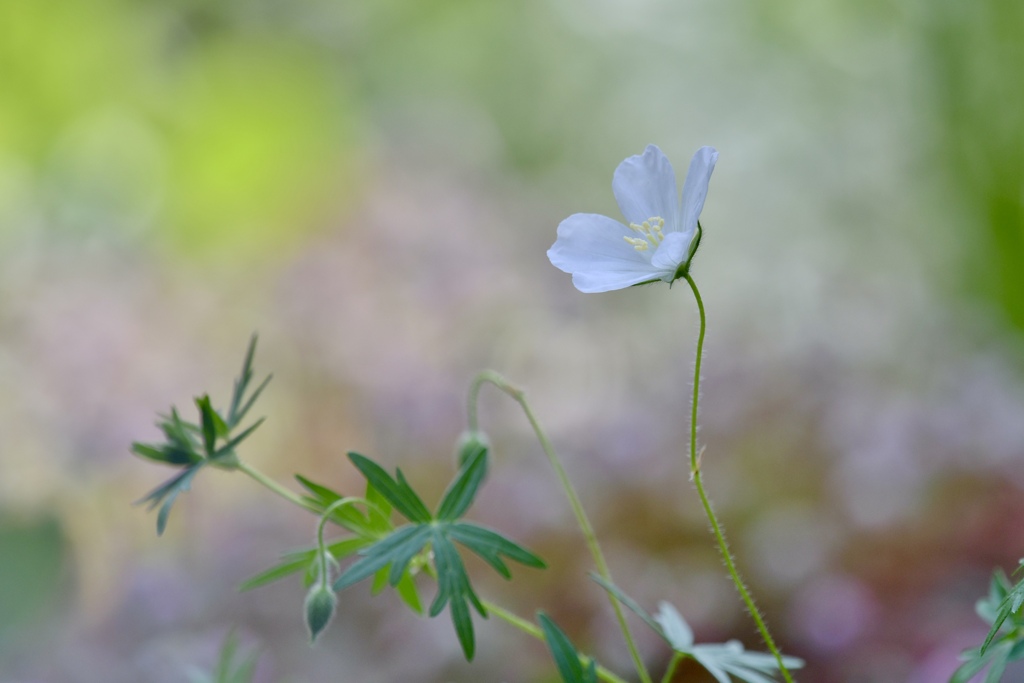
(716, 527)
(269, 483)
(532, 629)
(491, 377)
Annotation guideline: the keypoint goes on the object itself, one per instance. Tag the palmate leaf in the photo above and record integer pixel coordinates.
(393, 554)
(189, 446)
(398, 493)
(567, 659)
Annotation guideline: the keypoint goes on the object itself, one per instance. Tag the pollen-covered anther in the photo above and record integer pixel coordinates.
(650, 231)
(639, 243)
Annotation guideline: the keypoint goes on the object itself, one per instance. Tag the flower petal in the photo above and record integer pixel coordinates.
(592, 248)
(695, 187)
(672, 252)
(645, 187)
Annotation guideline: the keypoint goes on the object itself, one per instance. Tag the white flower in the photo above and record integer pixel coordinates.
(603, 254)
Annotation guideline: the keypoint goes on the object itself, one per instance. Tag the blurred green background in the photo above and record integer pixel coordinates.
(372, 186)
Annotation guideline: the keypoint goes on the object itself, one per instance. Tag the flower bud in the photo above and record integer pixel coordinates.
(469, 444)
(320, 604)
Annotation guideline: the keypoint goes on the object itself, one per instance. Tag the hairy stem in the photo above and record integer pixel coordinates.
(716, 527)
(491, 377)
(532, 629)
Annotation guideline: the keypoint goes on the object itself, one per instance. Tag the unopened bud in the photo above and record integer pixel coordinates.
(469, 444)
(320, 605)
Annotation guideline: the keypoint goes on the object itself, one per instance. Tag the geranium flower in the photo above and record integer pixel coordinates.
(662, 233)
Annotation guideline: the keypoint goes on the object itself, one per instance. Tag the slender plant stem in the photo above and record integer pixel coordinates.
(491, 377)
(532, 629)
(716, 527)
(672, 666)
(266, 481)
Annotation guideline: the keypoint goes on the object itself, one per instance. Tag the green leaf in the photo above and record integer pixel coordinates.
(490, 546)
(228, 449)
(165, 494)
(969, 669)
(629, 602)
(209, 423)
(347, 516)
(1003, 602)
(168, 454)
(454, 590)
(399, 545)
(567, 659)
(398, 493)
(998, 666)
(406, 589)
(301, 560)
(379, 511)
(461, 492)
(242, 383)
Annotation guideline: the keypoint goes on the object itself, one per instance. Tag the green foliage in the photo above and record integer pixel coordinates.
(192, 446)
(1005, 640)
(567, 659)
(391, 556)
(721, 660)
(227, 671)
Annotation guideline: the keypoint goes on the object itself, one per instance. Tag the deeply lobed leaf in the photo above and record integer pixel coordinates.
(398, 493)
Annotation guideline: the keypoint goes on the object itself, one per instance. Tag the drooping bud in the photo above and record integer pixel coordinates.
(469, 444)
(319, 607)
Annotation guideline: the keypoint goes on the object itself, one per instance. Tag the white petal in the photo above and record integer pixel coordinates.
(592, 248)
(645, 187)
(672, 252)
(695, 187)
(675, 628)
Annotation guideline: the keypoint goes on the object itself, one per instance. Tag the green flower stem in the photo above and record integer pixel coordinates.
(491, 377)
(532, 629)
(672, 666)
(716, 527)
(277, 488)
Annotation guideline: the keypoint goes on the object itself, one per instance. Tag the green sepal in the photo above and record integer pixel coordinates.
(468, 444)
(319, 608)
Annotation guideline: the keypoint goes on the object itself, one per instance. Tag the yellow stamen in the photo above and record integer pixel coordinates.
(650, 231)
